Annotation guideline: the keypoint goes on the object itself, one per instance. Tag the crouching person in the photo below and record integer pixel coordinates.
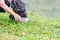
(4, 7)
(19, 8)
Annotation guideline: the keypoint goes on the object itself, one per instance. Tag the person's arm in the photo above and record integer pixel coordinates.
(6, 8)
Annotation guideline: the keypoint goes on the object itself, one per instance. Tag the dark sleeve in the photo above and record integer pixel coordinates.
(7, 3)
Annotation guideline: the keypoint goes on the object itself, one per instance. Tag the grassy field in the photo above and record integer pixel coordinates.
(44, 22)
(39, 28)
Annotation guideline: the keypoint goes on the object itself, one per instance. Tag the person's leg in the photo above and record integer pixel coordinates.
(20, 9)
(17, 10)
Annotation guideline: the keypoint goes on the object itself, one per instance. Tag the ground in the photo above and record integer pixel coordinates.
(39, 28)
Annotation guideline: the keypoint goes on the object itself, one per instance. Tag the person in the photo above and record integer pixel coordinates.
(19, 10)
(6, 8)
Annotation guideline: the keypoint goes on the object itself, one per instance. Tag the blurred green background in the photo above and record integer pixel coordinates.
(46, 8)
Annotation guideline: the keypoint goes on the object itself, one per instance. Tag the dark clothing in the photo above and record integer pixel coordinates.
(18, 7)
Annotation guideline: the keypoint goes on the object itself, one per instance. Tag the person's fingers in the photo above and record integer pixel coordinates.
(17, 18)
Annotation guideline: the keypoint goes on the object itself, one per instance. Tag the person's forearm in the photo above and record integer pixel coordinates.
(6, 8)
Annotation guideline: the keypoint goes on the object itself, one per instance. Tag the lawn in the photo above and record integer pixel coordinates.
(39, 28)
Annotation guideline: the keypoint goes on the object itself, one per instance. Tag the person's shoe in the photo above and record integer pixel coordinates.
(25, 20)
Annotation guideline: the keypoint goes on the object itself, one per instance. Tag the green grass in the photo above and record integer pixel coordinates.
(39, 28)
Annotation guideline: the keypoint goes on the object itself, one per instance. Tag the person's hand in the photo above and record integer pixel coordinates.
(17, 18)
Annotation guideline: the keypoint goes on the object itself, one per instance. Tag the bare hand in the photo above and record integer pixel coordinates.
(17, 18)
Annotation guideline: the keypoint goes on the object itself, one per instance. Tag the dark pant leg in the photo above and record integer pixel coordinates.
(22, 12)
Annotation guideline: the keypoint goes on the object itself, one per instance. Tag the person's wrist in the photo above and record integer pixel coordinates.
(14, 14)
